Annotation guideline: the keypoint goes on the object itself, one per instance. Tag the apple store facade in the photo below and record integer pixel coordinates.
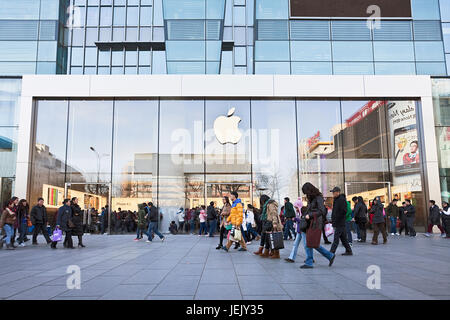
(184, 141)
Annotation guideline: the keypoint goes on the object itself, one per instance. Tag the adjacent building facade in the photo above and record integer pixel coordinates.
(321, 91)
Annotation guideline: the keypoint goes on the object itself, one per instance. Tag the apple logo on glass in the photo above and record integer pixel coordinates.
(226, 128)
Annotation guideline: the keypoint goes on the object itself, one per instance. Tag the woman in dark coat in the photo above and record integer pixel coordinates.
(77, 219)
(64, 222)
(378, 221)
(22, 219)
(316, 206)
(360, 211)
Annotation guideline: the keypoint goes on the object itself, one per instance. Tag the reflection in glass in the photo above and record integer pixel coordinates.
(181, 183)
(89, 141)
(8, 151)
(365, 145)
(274, 149)
(227, 136)
(405, 153)
(218, 186)
(134, 164)
(9, 101)
(319, 145)
(49, 153)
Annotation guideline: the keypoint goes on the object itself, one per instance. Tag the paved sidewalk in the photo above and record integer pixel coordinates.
(188, 267)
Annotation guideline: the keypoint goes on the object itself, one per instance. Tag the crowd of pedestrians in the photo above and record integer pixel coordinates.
(306, 219)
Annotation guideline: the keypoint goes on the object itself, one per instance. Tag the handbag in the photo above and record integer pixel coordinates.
(276, 240)
(29, 224)
(303, 224)
(237, 235)
(313, 233)
(57, 235)
(328, 229)
(71, 224)
(267, 226)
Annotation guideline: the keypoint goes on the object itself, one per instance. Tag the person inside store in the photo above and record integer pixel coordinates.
(173, 228)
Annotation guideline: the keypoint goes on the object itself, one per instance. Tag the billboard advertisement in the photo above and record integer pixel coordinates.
(350, 8)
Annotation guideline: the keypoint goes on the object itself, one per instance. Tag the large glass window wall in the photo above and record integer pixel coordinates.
(441, 101)
(9, 120)
(32, 37)
(182, 153)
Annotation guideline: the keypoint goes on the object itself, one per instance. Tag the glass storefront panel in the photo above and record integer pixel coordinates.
(135, 149)
(227, 136)
(9, 118)
(8, 151)
(49, 153)
(181, 165)
(220, 185)
(320, 144)
(274, 149)
(405, 154)
(9, 101)
(365, 146)
(89, 141)
(443, 144)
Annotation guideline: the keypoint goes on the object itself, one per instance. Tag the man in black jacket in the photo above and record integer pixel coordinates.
(338, 217)
(38, 216)
(152, 217)
(403, 223)
(211, 216)
(410, 212)
(289, 215)
(434, 219)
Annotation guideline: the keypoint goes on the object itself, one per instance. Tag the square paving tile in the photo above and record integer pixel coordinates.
(218, 292)
(189, 267)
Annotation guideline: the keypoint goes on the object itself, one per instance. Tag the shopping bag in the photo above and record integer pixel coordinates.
(30, 229)
(237, 235)
(329, 229)
(276, 240)
(57, 235)
(313, 234)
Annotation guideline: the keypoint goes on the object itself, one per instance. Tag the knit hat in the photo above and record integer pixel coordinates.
(298, 203)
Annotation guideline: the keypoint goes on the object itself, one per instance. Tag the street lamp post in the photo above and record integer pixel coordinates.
(98, 181)
(98, 164)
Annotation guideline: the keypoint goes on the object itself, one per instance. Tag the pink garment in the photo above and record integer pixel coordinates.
(298, 203)
(202, 216)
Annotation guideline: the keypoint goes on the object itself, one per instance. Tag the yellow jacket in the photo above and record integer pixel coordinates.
(236, 215)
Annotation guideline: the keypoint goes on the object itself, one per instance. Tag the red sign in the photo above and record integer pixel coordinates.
(367, 109)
